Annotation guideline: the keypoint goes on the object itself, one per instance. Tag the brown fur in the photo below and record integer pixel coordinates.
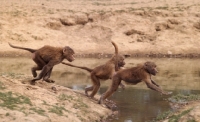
(134, 75)
(103, 72)
(45, 58)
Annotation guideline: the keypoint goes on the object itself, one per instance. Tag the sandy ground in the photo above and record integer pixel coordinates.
(139, 27)
(169, 27)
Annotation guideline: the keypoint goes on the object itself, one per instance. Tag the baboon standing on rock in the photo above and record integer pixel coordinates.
(134, 75)
(45, 58)
(102, 72)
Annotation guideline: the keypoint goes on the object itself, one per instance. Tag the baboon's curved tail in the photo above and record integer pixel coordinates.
(116, 47)
(85, 68)
(116, 55)
(23, 48)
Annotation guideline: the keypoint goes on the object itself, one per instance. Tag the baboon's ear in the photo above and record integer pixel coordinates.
(147, 65)
(65, 49)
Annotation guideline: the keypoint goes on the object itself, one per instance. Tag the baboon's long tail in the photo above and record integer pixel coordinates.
(116, 56)
(85, 68)
(23, 48)
(116, 47)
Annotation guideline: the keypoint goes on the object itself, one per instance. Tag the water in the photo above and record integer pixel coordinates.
(136, 103)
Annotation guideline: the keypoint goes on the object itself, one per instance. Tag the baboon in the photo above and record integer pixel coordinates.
(102, 72)
(45, 58)
(134, 75)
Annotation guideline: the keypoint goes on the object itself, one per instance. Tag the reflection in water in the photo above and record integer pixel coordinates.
(139, 105)
(128, 120)
(136, 103)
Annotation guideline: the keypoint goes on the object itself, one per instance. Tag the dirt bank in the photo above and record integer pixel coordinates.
(142, 27)
(44, 102)
(185, 109)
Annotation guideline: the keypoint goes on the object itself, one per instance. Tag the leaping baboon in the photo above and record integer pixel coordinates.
(45, 58)
(102, 72)
(134, 75)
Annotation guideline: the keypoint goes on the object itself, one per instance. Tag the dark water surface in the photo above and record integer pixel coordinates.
(136, 103)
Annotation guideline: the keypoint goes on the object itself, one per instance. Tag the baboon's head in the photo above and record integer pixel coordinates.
(121, 61)
(150, 67)
(68, 53)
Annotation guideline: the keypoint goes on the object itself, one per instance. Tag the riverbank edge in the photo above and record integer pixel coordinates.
(107, 55)
(44, 101)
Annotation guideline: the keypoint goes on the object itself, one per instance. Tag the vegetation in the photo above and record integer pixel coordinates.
(58, 110)
(79, 104)
(180, 98)
(38, 110)
(11, 101)
(2, 86)
(65, 97)
(172, 116)
(175, 118)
